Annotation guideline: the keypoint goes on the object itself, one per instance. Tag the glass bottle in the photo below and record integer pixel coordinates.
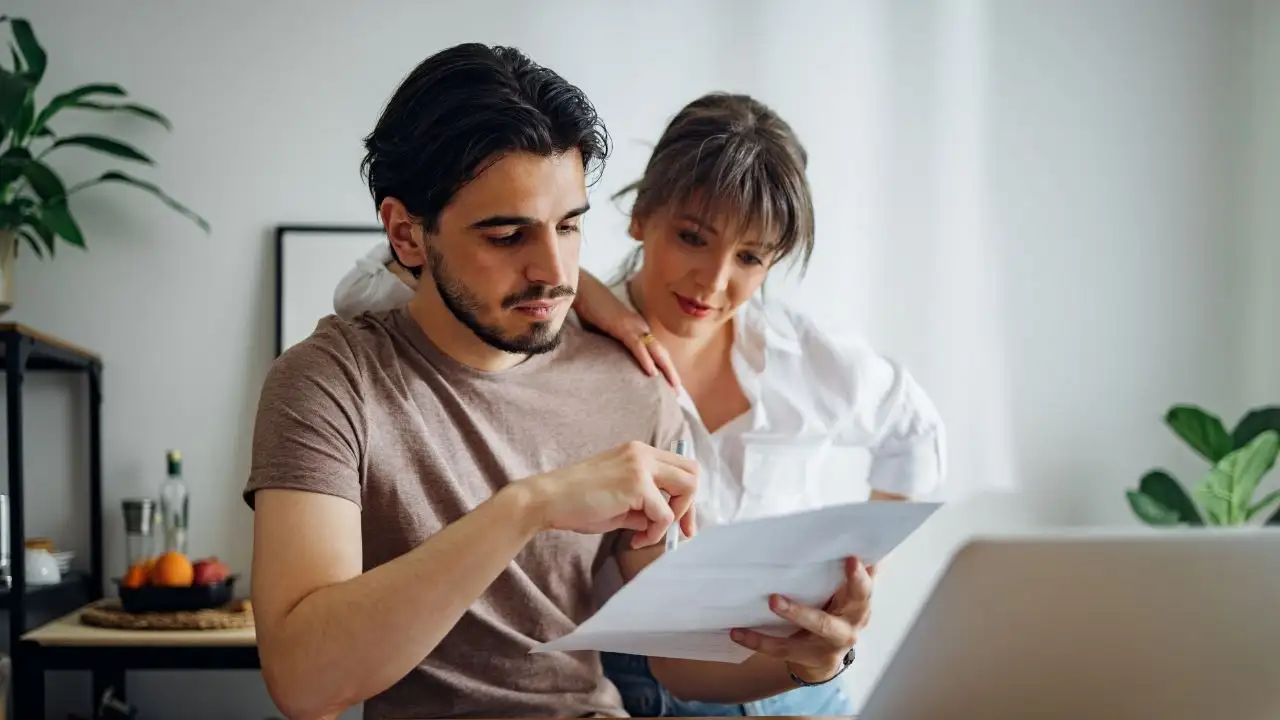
(173, 505)
(140, 515)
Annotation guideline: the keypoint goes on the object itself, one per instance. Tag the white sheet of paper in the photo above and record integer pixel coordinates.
(685, 603)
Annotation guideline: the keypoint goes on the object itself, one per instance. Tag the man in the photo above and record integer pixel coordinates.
(435, 486)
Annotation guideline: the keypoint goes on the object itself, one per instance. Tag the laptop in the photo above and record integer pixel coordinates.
(1169, 625)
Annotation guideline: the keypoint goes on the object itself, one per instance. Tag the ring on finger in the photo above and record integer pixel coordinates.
(647, 338)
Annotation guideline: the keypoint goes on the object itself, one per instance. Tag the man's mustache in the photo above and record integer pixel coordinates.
(537, 292)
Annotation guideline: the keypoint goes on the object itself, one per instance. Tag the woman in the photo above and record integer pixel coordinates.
(768, 395)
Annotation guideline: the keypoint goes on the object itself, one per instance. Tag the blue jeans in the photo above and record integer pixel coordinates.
(644, 697)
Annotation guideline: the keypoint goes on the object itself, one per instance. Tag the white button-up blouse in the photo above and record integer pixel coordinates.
(829, 421)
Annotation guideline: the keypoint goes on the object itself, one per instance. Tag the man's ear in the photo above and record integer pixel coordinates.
(404, 232)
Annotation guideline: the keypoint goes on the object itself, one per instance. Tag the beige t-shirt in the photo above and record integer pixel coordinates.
(371, 411)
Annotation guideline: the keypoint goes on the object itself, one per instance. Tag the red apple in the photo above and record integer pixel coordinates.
(209, 571)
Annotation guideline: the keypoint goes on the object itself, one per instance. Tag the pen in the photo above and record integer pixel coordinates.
(673, 532)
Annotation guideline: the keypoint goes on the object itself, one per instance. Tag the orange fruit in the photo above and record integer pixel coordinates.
(136, 577)
(172, 569)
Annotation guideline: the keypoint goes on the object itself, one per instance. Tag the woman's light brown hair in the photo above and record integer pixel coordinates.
(730, 156)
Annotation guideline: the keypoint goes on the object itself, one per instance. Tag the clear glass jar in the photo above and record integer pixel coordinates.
(139, 529)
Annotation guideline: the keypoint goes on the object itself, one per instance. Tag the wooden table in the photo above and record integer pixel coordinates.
(68, 644)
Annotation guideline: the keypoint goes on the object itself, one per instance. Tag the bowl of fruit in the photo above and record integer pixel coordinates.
(172, 583)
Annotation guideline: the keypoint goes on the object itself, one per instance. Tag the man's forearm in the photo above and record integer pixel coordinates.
(759, 677)
(345, 643)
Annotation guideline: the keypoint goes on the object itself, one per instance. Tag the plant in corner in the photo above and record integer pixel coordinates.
(1239, 460)
(34, 200)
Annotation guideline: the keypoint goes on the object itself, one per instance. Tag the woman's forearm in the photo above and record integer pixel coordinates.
(406, 277)
(759, 677)
(887, 496)
(591, 292)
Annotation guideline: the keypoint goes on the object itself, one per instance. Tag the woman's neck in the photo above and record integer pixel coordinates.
(705, 365)
(710, 353)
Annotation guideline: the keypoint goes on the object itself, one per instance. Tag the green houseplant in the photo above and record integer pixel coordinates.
(34, 199)
(1239, 460)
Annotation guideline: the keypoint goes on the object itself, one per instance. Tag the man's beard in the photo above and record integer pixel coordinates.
(540, 338)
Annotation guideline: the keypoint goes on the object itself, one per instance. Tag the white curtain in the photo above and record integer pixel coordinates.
(1260, 331)
(1042, 208)
(891, 99)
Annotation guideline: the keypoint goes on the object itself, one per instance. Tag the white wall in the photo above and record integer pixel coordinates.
(1260, 158)
(1049, 192)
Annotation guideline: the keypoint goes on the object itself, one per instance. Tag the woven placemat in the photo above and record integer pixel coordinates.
(109, 614)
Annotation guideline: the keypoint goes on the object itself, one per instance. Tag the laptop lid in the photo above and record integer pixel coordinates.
(1175, 625)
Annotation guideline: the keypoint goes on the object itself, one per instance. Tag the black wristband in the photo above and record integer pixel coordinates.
(844, 665)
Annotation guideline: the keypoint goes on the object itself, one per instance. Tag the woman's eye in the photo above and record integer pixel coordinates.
(750, 259)
(691, 238)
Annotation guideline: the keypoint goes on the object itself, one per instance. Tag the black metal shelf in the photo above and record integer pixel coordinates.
(74, 580)
(45, 603)
(44, 352)
(23, 350)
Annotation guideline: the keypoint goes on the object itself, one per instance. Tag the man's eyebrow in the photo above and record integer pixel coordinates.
(576, 212)
(503, 221)
(511, 220)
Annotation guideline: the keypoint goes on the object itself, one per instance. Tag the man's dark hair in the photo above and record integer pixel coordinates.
(459, 111)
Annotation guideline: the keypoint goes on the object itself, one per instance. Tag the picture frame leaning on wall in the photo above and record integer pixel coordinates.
(310, 260)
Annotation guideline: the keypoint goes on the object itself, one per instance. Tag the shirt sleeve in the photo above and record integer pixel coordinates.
(910, 457)
(670, 425)
(369, 286)
(309, 433)
(888, 411)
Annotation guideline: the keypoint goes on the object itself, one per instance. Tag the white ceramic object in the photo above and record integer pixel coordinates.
(42, 568)
(64, 559)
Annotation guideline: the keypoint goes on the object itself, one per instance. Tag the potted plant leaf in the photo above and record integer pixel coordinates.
(1239, 460)
(34, 199)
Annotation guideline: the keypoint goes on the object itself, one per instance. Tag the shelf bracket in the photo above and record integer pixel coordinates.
(95, 383)
(17, 352)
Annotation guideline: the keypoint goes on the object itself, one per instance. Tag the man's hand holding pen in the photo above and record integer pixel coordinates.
(633, 486)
